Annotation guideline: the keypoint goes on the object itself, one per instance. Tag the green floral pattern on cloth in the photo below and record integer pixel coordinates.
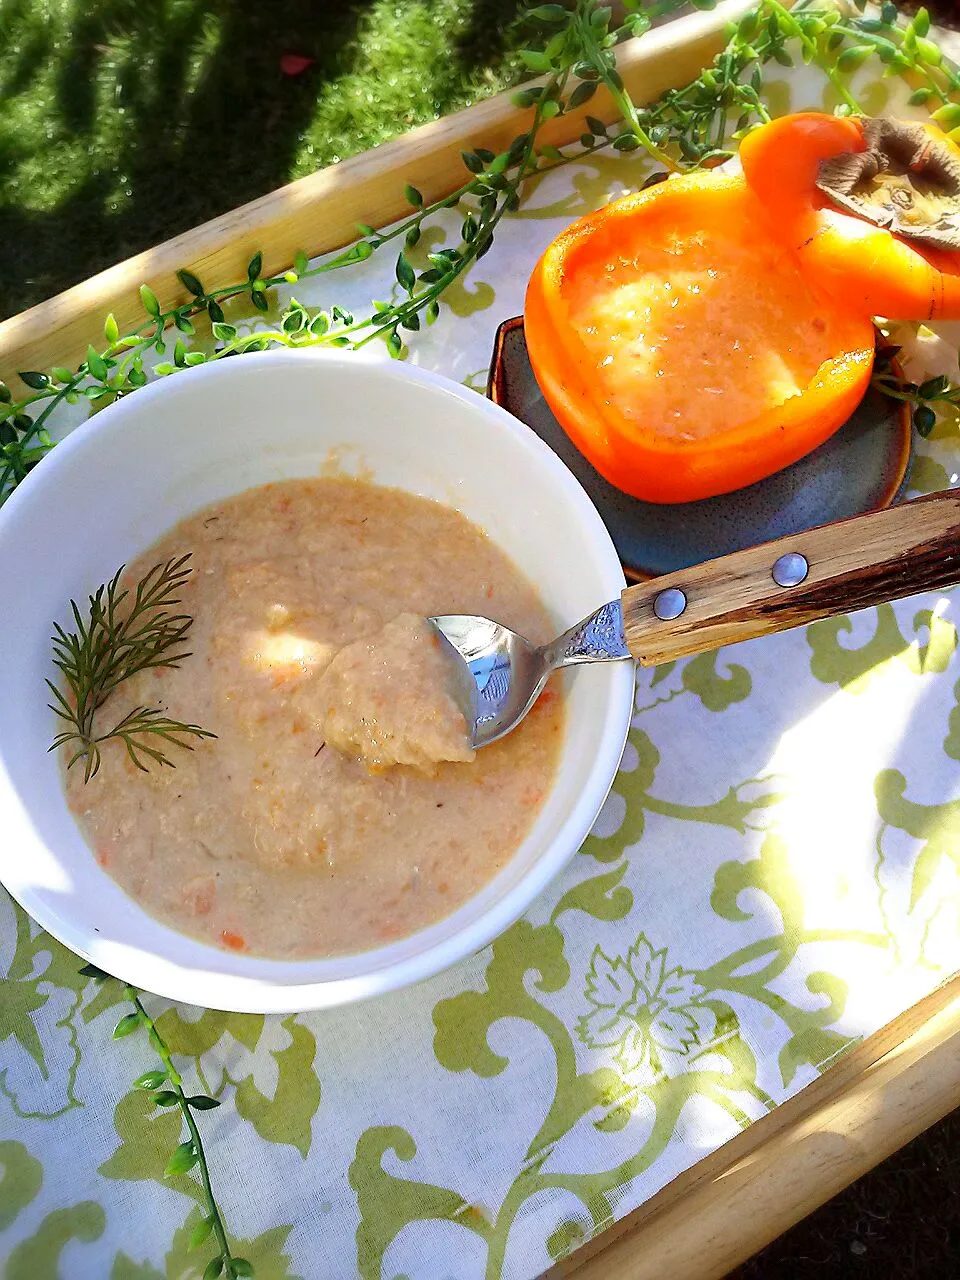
(774, 876)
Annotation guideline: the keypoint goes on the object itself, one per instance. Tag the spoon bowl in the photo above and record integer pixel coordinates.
(500, 674)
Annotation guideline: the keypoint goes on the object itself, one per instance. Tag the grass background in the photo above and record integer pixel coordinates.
(123, 122)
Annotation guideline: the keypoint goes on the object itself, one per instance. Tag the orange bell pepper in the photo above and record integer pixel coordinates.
(700, 335)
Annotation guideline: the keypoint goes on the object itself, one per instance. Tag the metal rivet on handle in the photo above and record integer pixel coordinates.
(669, 604)
(790, 570)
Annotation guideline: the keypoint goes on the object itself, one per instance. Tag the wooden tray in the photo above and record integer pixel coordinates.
(880, 1095)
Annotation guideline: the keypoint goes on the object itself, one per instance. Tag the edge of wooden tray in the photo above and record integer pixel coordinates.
(727, 1206)
(319, 213)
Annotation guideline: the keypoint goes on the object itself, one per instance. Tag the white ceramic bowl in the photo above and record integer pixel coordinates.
(119, 482)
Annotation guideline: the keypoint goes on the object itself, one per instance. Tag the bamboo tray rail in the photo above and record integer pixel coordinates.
(878, 1096)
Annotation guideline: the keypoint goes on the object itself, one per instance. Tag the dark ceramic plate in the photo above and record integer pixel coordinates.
(863, 467)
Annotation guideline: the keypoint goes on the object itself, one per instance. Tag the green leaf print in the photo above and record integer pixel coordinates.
(602, 897)
(739, 809)
(936, 825)
(21, 1181)
(39, 1257)
(639, 1008)
(951, 743)
(770, 872)
(41, 991)
(193, 1037)
(813, 1046)
(387, 1203)
(147, 1136)
(125, 1268)
(265, 1253)
(287, 1115)
(462, 1022)
(854, 669)
(716, 691)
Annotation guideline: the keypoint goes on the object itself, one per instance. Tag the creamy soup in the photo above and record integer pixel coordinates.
(341, 805)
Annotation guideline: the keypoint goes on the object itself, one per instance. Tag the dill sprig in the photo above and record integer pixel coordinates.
(119, 638)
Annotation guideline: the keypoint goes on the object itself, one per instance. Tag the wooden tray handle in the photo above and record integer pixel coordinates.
(852, 564)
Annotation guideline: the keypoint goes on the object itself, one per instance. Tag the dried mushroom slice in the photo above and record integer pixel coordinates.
(906, 181)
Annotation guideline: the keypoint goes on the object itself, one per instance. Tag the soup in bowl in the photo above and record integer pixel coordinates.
(324, 502)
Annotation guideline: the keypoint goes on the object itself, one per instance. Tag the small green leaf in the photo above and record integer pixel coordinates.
(166, 1098)
(933, 388)
(224, 332)
(412, 238)
(919, 97)
(111, 330)
(345, 317)
(921, 22)
(241, 1267)
(259, 300)
(472, 161)
(36, 381)
(96, 364)
(200, 1233)
(600, 18)
(149, 300)
(182, 1160)
(254, 267)
(6, 396)
(394, 344)
(412, 196)
(596, 127)
(194, 358)
(319, 324)
(200, 1102)
(924, 419)
(468, 230)
(215, 311)
(549, 13)
(150, 1080)
(365, 229)
(625, 142)
(929, 53)
(91, 971)
(535, 60)
(582, 93)
(405, 273)
(179, 354)
(301, 263)
(126, 1026)
(164, 368)
(213, 1268)
(411, 322)
(433, 310)
(184, 324)
(190, 282)
(948, 116)
(549, 110)
(854, 57)
(523, 98)
(294, 320)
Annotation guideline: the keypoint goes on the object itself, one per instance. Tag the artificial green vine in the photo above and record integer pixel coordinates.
(684, 128)
(165, 1087)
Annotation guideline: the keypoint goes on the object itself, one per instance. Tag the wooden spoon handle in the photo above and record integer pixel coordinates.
(852, 564)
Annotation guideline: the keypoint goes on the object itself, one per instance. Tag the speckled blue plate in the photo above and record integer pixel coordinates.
(863, 467)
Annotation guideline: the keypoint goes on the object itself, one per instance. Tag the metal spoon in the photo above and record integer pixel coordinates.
(836, 568)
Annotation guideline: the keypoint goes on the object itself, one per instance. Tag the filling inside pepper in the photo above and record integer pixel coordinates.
(685, 332)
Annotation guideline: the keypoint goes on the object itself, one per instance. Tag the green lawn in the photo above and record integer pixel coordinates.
(122, 123)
